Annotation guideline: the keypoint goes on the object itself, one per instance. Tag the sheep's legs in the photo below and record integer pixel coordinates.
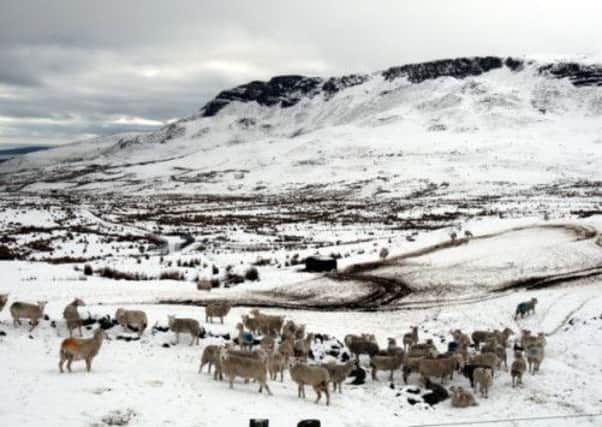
(88, 365)
(317, 389)
(33, 325)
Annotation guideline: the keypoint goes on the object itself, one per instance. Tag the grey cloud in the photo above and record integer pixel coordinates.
(82, 64)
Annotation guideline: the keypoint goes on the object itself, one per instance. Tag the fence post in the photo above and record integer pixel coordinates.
(309, 423)
(259, 422)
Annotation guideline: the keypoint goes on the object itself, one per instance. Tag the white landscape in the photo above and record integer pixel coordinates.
(448, 192)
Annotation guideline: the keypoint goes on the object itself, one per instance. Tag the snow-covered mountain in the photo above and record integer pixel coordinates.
(468, 122)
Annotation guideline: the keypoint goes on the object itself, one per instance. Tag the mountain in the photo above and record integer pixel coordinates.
(473, 124)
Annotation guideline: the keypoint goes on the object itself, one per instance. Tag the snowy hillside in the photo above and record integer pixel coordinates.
(473, 123)
(447, 193)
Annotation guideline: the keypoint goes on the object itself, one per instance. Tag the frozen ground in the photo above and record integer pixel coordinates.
(162, 387)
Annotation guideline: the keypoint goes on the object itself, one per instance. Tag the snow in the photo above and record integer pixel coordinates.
(158, 384)
(513, 157)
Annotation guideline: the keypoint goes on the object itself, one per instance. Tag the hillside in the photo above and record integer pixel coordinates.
(471, 123)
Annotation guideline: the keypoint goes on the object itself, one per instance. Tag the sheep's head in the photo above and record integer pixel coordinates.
(78, 302)
(101, 333)
(42, 304)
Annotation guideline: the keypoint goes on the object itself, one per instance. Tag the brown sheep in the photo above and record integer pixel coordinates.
(517, 369)
(441, 367)
(386, 363)
(411, 338)
(338, 373)
(217, 309)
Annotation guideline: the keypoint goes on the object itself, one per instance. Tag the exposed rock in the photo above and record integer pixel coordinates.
(458, 68)
(578, 74)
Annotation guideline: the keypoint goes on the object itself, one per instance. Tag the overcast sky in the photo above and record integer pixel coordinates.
(70, 69)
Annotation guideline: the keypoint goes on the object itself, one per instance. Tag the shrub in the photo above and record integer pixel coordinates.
(172, 275)
(262, 261)
(234, 279)
(214, 282)
(88, 270)
(252, 274)
(214, 269)
(6, 253)
(384, 252)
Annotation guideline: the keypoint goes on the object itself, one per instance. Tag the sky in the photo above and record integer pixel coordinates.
(74, 69)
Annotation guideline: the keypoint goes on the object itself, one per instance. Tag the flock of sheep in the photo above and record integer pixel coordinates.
(287, 346)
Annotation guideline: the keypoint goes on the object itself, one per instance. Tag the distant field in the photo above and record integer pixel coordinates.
(13, 150)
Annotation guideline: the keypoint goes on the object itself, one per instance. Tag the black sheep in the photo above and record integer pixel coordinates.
(438, 393)
(359, 374)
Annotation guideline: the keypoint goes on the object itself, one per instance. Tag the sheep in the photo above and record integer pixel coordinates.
(453, 236)
(410, 364)
(442, 367)
(438, 392)
(385, 363)
(393, 348)
(535, 355)
(179, 325)
(338, 373)
(468, 372)
(245, 367)
(427, 349)
(525, 307)
(250, 323)
(488, 359)
(276, 365)
(23, 310)
(3, 300)
(468, 234)
(71, 316)
(302, 347)
(286, 348)
(245, 339)
(315, 376)
(293, 331)
(518, 368)
(499, 350)
(204, 285)
(254, 354)
(461, 338)
(217, 309)
(81, 349)
(267, 344)
(411, 338)
(363, 337)
(268, 325)
(527, 340)
(361, 345)
(132, 318)
(211, 357)
(484, 378)
(462, 398)
(502, 336)
(481, 336)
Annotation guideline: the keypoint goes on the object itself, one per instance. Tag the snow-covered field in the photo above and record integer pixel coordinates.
(162, 386)
(392, 160)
